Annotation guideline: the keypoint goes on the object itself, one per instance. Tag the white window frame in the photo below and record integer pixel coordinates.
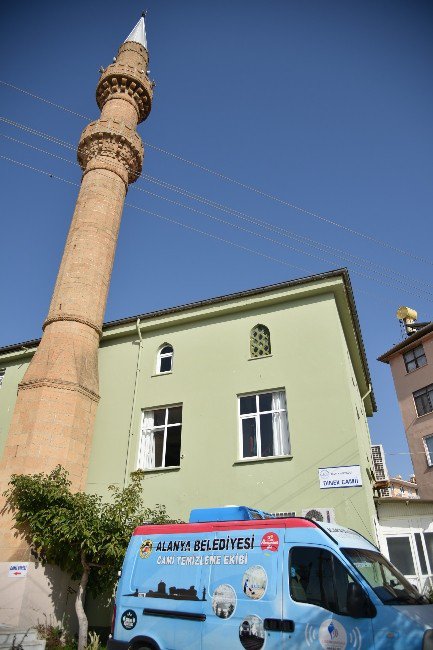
(429, 456)
(143, 449)
(256, 416)
(166, 355)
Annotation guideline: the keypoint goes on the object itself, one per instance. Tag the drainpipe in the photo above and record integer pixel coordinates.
(137, 371)
(370, 460)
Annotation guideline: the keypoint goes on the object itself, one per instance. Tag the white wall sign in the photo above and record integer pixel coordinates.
(18, 569)
(340, 477)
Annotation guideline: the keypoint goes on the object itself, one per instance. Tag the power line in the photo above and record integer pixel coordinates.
(279, 243)
(355, 259)
(404, 453)
(178, 223)
(42, 99)
(40, 134)
(31, 146)
(241, 215)
(245, 186)
(40, 171)
(155, 214)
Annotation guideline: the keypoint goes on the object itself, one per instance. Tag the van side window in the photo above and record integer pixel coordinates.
(317, 577)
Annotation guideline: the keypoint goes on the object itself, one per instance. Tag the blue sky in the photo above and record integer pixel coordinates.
(325, 105)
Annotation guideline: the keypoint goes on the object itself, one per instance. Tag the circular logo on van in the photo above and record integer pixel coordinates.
(129, 619)
(332, 635)
(270, 542)
(146, 548)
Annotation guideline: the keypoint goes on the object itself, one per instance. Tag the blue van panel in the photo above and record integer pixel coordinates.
(219, 582)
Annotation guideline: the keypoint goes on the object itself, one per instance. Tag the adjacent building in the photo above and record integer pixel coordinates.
(391, 486)
(411, 363)
(405, 536)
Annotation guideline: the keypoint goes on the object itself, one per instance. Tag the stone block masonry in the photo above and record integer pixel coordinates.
(55, 411)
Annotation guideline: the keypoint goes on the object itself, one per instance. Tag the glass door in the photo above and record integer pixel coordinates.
(424, 547)
(403, 554)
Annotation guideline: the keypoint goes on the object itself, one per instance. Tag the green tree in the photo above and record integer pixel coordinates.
(78, 532)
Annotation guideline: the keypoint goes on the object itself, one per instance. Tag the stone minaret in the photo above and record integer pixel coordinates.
(57, 399)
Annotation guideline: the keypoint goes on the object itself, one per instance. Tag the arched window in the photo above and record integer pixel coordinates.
(260, 341)
(165, 359)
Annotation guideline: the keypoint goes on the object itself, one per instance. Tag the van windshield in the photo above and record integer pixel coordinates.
(385, 580)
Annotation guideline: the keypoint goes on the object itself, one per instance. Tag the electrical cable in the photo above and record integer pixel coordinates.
(183, 225)
(31, 146)
(279, 243)
(245, 186)
(41, 99)
(40, 134)
(384, 270)
(355, 259)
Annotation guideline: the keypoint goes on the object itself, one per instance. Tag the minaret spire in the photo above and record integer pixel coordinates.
(138, 34)
(57, 398)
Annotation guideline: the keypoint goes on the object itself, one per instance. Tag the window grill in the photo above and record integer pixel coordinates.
(260, 342)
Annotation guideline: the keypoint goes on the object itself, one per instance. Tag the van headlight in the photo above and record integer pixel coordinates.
(427, 640)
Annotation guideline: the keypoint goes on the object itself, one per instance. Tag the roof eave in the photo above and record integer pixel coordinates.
(29, 346)
(407, 343)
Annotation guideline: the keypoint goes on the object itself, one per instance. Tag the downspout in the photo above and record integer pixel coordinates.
(376, 524)
(137, 370)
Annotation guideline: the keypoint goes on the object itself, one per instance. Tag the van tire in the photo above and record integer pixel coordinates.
(144, 645)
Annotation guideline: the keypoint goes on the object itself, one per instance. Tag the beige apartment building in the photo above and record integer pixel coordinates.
(411, 363)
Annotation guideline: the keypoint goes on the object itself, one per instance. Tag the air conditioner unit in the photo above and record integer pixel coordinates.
(326, 515)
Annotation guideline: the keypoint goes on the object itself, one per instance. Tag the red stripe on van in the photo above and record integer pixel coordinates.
(212, 526)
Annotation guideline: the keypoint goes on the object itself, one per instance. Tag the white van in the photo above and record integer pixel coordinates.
(232, 578)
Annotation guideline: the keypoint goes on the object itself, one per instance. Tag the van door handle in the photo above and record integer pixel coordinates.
(278, 625)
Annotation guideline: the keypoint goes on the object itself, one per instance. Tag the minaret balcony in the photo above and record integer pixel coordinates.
(109, 144)
(121, 80)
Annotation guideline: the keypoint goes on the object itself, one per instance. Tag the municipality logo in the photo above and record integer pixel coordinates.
(146, 549)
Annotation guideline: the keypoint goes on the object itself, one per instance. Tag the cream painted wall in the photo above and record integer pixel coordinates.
(15, 367)
(44, 595)
(211, 368)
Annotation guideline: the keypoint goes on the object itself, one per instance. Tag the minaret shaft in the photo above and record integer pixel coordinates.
(54, 415)
(89, 251)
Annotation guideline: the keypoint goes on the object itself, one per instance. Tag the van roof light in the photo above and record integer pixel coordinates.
(227, 513)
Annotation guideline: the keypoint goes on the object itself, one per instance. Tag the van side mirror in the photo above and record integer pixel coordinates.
(358, 603)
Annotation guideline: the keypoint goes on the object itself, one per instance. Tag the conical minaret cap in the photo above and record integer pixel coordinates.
(138, 34)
